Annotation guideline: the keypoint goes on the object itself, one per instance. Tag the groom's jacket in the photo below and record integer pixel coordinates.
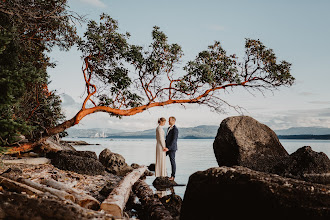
(172, 139)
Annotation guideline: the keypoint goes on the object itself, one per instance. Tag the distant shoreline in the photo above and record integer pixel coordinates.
(291, 137)
(305, 137)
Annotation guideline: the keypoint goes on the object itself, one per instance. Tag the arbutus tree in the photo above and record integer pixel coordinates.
(123, 79)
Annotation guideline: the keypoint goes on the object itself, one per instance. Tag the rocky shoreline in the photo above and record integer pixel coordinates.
(256, 179)
(82, 171)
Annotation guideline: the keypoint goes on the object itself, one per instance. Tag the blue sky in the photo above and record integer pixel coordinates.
(297, 31)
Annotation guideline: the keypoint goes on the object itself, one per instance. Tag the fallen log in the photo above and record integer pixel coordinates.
(12, 185)
(60, 194)
(151, 203)
(117, 199)
(32, 161)
(81, 198)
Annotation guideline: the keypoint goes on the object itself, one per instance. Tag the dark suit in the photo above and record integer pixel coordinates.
(171, 144)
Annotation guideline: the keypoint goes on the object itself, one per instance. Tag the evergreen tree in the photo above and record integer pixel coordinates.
(29, 29)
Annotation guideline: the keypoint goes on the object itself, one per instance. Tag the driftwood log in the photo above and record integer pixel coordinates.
(14, 186)
(117, 199)
(60, 194)
(81, 198)
(150, 202)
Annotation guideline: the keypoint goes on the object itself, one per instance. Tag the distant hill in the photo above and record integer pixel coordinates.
(199, 132)
(92, 132)
(303, 131)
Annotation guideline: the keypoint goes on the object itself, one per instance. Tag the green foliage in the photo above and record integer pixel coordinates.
(28, 29)
(213, 67)
(107, 51)
(216, 68)
(110, 59)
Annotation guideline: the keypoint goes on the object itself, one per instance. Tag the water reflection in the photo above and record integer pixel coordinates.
(161, 192)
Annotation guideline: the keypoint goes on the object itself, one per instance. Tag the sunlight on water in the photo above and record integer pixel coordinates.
(192, 155)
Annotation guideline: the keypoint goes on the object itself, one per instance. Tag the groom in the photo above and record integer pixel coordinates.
(171, 144)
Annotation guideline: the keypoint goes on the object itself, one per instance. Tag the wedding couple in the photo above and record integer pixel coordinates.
(166, 146)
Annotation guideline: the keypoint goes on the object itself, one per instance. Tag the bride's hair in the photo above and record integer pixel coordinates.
(161, 119)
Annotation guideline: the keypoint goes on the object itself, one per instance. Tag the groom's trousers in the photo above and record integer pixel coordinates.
(171, 154)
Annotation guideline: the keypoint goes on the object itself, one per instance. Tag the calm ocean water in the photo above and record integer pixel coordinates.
(192, 155)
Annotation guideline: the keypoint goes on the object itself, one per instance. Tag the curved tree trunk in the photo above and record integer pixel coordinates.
(121, 112)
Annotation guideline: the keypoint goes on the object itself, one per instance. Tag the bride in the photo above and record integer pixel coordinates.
(160, 167)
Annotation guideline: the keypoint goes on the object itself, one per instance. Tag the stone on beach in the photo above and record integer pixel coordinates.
(242, 193)
(243, 141)
(77, 161)
(114, 163)
(163, 183)
(151, 167)
(254, 189)
(304, 164)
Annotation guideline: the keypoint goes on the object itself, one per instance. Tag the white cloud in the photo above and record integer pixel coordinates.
(296, 118)
(96, 3)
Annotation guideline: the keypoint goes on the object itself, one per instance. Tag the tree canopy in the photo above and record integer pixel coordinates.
(123, 79)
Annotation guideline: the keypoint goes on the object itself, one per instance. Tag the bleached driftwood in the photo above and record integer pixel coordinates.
(81, 198)
(15, 186)
(117, 199)
(156, 210)
(33, 161)
(60, 194)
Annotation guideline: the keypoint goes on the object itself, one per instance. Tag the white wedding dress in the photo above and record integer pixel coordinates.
(160, 167)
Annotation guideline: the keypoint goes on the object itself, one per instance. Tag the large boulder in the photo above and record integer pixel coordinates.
(243, 141)
(114, 163)
(82, 162)
(305, 164)
(242, 193)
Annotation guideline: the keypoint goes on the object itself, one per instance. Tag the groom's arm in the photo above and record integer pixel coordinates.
(174, 139)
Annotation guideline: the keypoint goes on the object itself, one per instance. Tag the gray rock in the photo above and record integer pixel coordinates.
(151, 167)
(114, 163)
(243, 141)
(79, 162)
(163, 183)
(89, 154)
(242, 193)
(305, 164)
